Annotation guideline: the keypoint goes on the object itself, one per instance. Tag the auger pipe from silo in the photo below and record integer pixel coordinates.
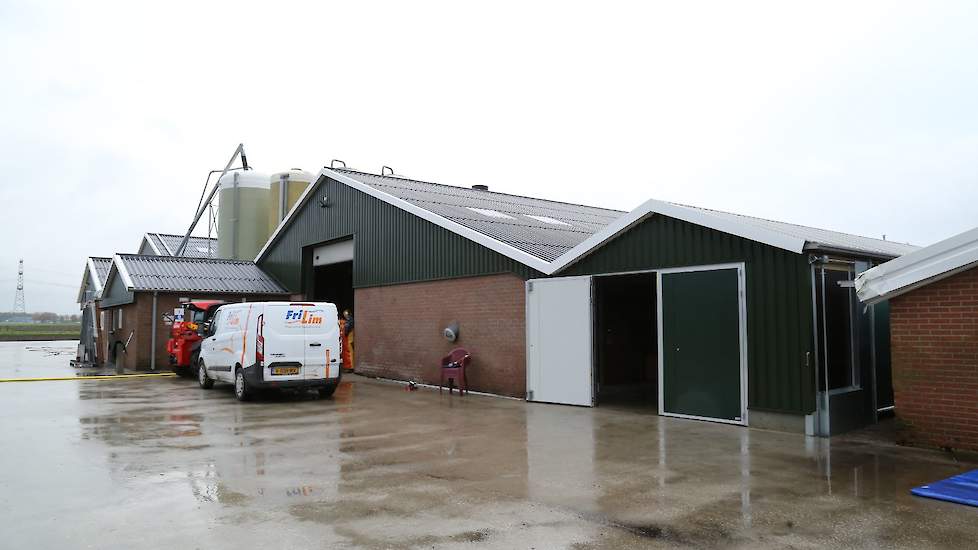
(202, 207)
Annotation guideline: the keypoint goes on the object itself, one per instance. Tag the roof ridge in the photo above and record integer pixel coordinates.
(348, 170)
(183, 258)
(789, 223)
(182, 236)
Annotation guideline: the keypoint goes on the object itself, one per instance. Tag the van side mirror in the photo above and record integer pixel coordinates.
(206, 328)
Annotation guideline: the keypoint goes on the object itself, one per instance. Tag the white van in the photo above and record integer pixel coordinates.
(269, 345)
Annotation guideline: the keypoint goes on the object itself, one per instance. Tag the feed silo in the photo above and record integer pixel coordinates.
(242, 219)
(286, 188)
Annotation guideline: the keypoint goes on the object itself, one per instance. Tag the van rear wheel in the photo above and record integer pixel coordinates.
(241, 390)
(206, 382)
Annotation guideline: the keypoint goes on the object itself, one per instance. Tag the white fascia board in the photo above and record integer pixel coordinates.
(93, 274)
(163, 243)
(454, 227)
(918, 268)
(85, 276)
(90, 274)
(619, 225)
(120, 268)
(691, 215)
(152, 245)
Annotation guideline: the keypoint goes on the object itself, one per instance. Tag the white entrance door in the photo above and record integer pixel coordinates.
(558, 341)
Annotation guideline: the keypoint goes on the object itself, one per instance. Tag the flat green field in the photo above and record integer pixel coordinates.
(39, 331)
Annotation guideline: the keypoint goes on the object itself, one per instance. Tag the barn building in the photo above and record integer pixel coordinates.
(89, 293)
(691, 312)
(933, 297)
(141, 292)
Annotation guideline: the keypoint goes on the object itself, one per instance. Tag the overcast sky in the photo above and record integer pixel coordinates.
(857, 116)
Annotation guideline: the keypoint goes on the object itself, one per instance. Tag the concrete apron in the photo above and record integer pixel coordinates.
(165, 464)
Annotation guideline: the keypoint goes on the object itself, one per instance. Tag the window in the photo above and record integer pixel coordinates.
(117, 319)
(491, 213)
(216, 323)
(546, 219)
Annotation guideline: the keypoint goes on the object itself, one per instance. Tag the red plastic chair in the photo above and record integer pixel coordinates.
(460, 358)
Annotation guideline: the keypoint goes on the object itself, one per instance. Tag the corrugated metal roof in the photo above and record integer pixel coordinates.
(94, 275)
(516, 220)
(549, 235)
(102, 266)
(817, 238)
(506, 218)
(179, 274)
(197, 247)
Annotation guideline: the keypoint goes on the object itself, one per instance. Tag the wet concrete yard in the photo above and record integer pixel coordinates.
(159, 463)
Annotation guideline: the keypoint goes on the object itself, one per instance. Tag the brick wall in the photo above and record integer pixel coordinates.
(137, 319)
(399, 331)
(934, 335)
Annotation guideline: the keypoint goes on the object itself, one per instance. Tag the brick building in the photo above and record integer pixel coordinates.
(933, 296)
(486, 309)
(141, 292)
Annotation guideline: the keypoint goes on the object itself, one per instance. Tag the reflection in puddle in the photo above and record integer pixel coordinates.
(384, 467)
(51, 351)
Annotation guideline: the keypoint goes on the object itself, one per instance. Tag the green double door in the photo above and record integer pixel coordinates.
(702, 366)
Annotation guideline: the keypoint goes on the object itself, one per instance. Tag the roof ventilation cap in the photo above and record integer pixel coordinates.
(480, 187)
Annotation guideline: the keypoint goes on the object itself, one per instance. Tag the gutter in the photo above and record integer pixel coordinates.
(851, 252)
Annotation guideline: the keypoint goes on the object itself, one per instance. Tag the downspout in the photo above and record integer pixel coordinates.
(152, 338)
(815, 371)
(825, 359)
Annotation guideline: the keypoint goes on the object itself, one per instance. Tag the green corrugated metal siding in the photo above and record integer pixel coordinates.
(391, 245)
(779, 309)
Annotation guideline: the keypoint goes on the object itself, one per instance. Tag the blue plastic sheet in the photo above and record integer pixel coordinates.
(962, 488)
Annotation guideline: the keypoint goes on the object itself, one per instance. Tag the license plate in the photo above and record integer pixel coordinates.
(285, 370)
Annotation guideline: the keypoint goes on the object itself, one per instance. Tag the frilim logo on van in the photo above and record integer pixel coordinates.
(302, 317)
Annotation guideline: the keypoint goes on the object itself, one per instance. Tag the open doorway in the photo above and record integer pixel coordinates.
(853, 376)
(334, 283)
(625, 340)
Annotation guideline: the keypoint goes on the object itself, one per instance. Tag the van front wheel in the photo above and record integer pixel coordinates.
(241, 390)
(205, 381)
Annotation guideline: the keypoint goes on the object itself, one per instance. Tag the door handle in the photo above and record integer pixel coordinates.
(315, 345)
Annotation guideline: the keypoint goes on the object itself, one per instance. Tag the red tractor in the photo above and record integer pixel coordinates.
(185, 336)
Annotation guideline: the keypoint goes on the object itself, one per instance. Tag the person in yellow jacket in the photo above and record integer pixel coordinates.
(348, 341)
(344, 360)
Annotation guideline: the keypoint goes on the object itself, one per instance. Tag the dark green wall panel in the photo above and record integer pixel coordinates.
(391, 245)
(779, 309)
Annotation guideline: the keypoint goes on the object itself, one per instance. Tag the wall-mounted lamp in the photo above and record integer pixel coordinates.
(451, 332)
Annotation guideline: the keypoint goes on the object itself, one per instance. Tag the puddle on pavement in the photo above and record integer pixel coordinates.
(38, 359)
(384, 467)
